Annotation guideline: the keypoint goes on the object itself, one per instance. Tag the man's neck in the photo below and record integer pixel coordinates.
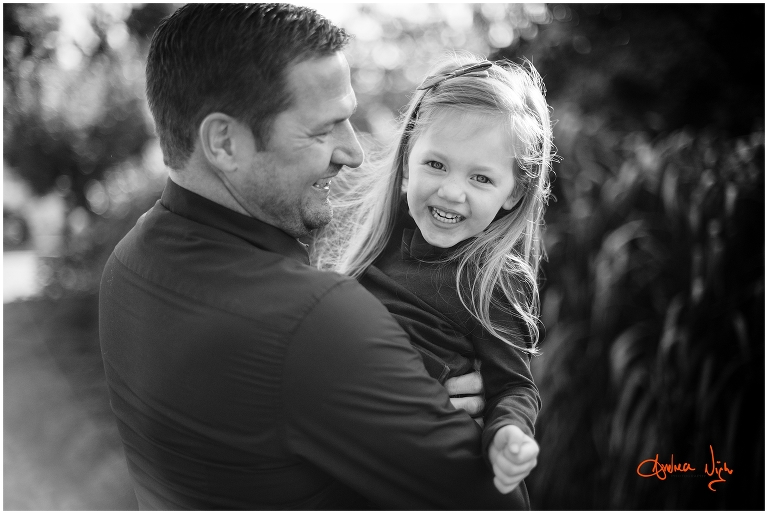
(207, 185)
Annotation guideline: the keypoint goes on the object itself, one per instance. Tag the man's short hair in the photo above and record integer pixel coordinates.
(229, 58)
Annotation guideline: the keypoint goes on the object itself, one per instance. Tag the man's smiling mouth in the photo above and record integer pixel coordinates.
(324, 184)
(445, 217)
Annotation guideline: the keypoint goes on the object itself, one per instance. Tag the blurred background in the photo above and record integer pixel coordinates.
(653, 294)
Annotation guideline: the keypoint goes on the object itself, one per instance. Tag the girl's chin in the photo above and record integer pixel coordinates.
(439, 241)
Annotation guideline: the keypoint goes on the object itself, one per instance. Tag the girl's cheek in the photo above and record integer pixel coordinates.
(428, 182)
(413, 186)
(416, 183)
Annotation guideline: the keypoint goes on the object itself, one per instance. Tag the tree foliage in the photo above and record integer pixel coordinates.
(74, 104)
(653, 307)
(655, 68)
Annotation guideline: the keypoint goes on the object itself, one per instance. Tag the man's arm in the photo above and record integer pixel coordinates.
(360, 405)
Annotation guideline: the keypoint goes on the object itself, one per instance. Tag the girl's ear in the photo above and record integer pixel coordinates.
(514, 197)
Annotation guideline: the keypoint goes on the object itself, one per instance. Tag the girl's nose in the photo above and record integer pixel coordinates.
(452, 192)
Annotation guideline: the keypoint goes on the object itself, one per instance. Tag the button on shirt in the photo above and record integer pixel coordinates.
(242, 378)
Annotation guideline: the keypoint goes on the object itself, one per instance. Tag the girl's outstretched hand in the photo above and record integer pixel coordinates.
(513, 455)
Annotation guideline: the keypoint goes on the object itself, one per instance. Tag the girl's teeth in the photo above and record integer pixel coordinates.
(444, 216)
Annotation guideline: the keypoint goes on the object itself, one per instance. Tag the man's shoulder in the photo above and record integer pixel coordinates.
(206, 266)
(298, 276)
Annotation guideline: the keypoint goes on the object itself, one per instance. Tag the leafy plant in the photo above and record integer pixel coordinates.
(654, 307)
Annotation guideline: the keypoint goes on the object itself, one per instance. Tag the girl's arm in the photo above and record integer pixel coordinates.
(510, 393)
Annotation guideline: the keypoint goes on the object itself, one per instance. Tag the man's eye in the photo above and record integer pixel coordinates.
(483, 179)
(436, 165)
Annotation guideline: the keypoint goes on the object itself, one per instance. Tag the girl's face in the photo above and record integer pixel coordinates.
(460, 173)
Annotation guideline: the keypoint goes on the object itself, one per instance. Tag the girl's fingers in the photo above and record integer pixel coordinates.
(525, 452)
(474, 405)
(504, 488)
(471, 383)
(509, 473)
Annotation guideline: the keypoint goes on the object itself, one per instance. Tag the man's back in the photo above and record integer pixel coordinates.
(193, 328)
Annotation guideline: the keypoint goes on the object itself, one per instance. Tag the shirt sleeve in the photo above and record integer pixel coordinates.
(510, 392)
(360, 405)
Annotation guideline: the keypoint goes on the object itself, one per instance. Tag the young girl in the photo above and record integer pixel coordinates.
(445, 230)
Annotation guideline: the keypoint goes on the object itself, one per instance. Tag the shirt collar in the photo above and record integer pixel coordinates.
(415, 247)
(190, 205)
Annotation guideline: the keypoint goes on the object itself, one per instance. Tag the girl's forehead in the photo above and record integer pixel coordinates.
(455, 124)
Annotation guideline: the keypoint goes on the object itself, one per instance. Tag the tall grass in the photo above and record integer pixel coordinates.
(654, 309)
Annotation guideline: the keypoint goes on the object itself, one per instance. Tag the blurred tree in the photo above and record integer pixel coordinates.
(395, 44)
(654, 309)
(76, 123)
(655, 67)
(74, 103)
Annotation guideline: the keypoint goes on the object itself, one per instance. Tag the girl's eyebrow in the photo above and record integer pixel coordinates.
(484, 169)
(481, 168)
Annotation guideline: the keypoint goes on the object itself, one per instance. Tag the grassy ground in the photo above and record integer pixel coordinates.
(61, 446)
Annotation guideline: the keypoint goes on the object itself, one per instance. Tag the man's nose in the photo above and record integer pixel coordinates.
(348, 151)
(451, 191)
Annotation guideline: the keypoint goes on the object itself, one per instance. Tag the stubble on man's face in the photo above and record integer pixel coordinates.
(287, 207)
(319, 215)
(309, 144)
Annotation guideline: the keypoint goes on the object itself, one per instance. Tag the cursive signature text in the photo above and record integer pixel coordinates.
(652, 467)
(716, 469)
(661, 470)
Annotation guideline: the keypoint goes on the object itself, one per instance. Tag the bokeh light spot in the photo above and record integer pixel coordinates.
(582, 45)
(500, 35)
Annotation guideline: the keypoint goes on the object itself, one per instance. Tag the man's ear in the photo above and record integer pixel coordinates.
(218, 139)
(514, 197)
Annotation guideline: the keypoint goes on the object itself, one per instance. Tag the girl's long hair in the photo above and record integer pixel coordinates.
(497, 271)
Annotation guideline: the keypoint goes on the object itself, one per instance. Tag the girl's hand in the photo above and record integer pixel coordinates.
(470, 386)
(513, 455)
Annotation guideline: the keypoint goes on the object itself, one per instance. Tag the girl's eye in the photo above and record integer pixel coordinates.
(436, 165)
(483, 179)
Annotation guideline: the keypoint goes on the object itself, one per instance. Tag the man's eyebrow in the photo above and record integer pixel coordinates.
(341, 119)
(354, 110)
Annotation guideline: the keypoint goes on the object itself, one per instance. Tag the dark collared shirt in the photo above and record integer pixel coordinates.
(242, 378)
(413, 280)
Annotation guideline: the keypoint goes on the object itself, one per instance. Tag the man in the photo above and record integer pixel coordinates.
(241, 377)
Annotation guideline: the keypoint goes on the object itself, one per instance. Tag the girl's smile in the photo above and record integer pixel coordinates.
(460, 173)
(445, 216)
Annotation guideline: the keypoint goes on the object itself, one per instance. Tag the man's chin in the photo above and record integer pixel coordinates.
(318, 218)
